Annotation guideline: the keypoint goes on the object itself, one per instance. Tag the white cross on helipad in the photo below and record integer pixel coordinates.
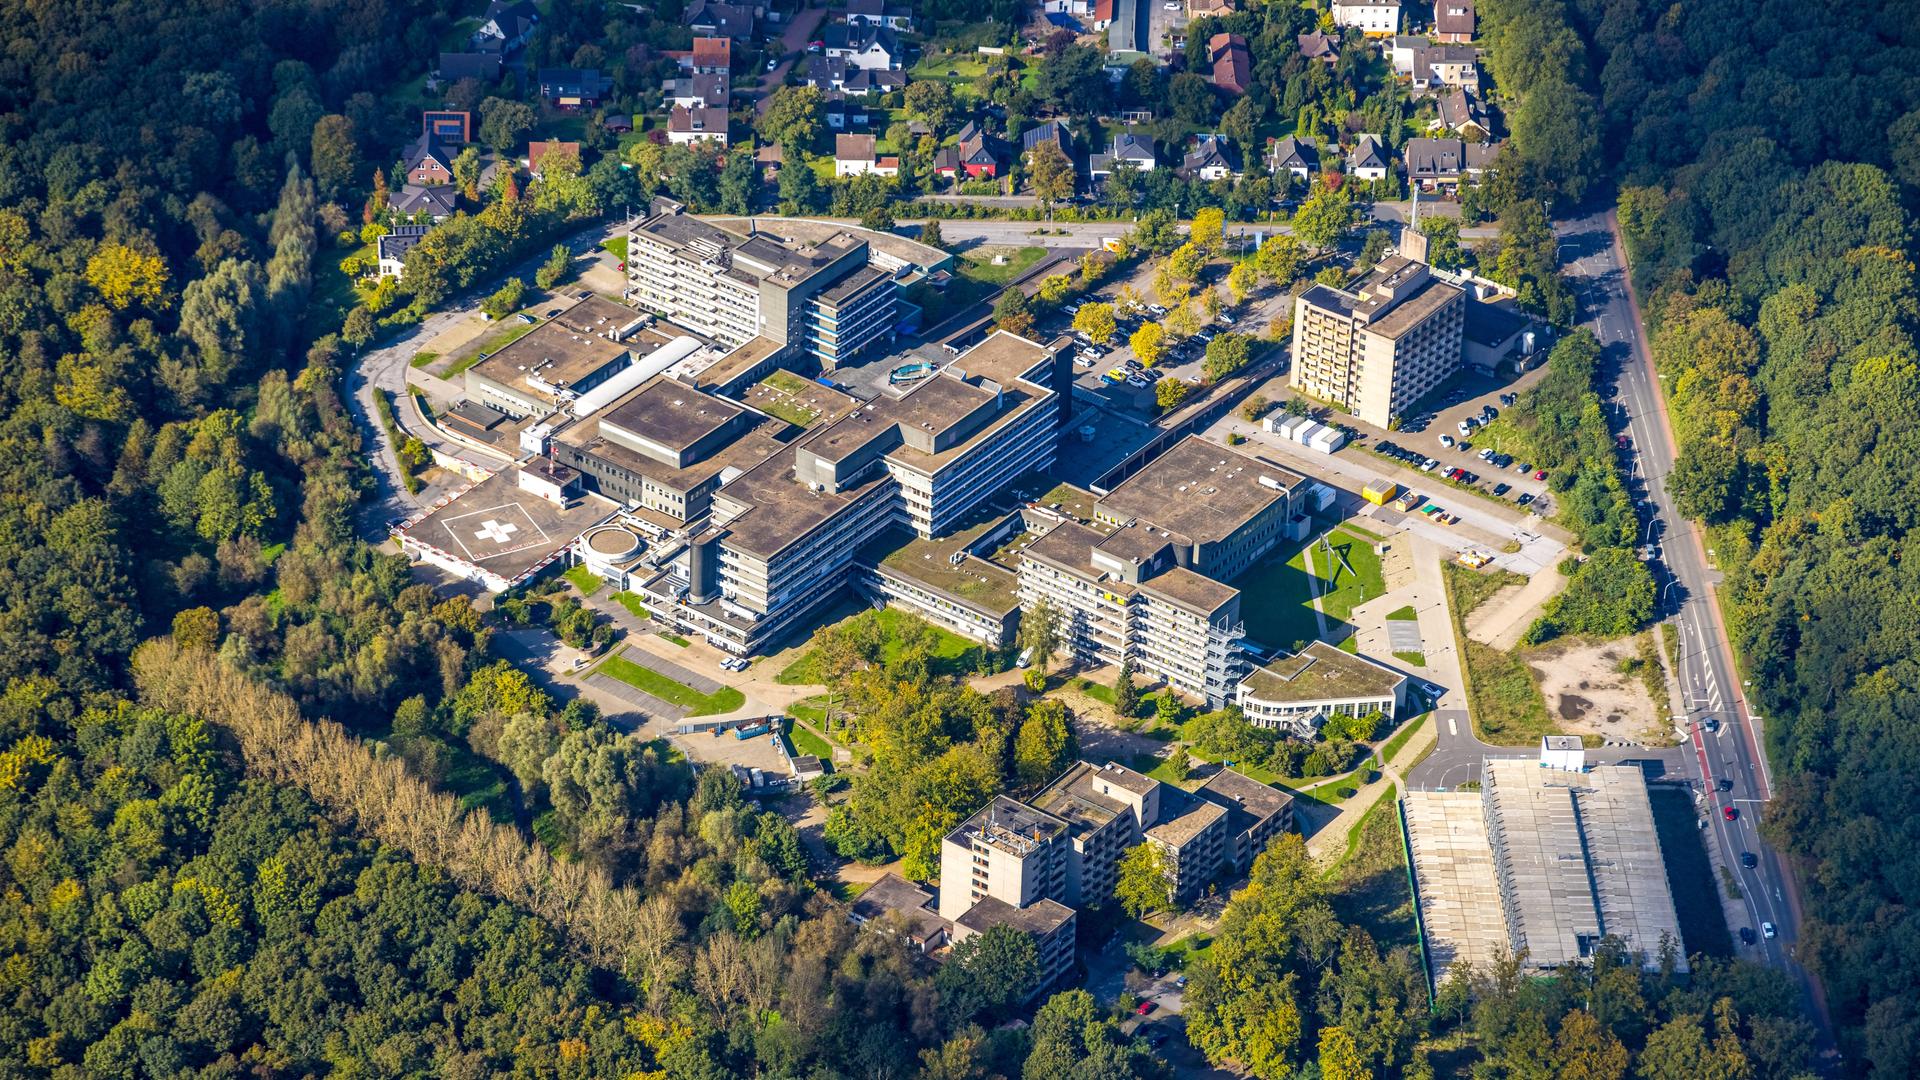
(497, 532)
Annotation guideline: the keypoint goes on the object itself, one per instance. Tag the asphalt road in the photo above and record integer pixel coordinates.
(1710, 684)
(1084, 235)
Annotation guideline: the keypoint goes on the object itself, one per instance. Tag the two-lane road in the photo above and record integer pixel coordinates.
(1727, 740)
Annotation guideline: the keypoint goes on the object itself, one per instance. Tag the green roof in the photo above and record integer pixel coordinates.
(933, 563)
(1321, 672)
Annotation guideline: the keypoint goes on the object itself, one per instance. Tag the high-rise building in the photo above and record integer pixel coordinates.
(823, 299)
(1145, 576)
(1378, 349)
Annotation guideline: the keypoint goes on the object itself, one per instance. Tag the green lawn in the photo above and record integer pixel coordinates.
(584, 579)
(1278, 596)
(422, 359)
(676, 639)
(806, 741)
(978, 264)
(617, 245)
(949, 655)
(1417, 659)
(631, 601)
(1403, 614)
(726, 699)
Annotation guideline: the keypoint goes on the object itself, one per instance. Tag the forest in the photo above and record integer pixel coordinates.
(1769, 175)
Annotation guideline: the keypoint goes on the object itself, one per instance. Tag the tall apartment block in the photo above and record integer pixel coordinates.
(822, 299)
(1145, 576)
(1380, 348)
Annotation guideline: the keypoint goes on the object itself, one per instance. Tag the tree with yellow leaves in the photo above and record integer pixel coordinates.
(124, 276)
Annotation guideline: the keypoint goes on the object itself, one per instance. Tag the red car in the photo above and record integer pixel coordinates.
(1730, 812)
(1144, 1008)
(1541, 475)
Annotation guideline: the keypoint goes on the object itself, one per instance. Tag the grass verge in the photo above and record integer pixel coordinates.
(1403, 614)
(631, 601)
(1400, 738)
(1370, 880)
(647, 680)
(1417, 659)
(807, 741)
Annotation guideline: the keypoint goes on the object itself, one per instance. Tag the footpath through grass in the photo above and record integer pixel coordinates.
(726, 699)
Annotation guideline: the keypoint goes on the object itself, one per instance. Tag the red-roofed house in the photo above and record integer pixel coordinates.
(1232, 65)
(711, 56)
(1102, 14)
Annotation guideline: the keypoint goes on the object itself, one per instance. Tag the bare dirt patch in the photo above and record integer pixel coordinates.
(1585, 687)
(1506, 615)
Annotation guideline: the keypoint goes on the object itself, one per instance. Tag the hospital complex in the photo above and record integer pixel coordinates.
(690, 446)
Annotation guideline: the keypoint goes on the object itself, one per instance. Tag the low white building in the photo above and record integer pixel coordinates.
(1297, 693)
(1369, 16)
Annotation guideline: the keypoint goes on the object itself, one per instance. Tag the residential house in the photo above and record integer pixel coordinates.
(437, 202)
(1462, 113)
(879, 13)
(770, 158)
(1453, 21)
(976, 154)
(507, 27)
(573, 88)
(1135, 150)
(452, 126)
(698, 124)
(428, 161)
(1442, 164)
(870, 48)
(1319, 46)
(697, 91)
(482, 66)
(843, 113)
(1050, 131)
(1197, 8)
(1446, 65)
(710, 18)
(1400, 53)
(1369, 160)
(1376, 18)
(1212, 158)
(392, 248)
(1073, 9)
(710, 56)
(539, 151)
(1102, 15)
(853, 156)
(1232, 64)
(1291, 155)
(835, 73)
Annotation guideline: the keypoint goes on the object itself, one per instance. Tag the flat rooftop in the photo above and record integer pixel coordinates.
(671, 413)
(1578, 857)
(1199, 490)
(1195, 592)
(503, 530)
(1072, 799)
(1321, 672)
(1010, 825)
(1189, 819)
(557, 352)
(1039, 919)
(1259, 801)
(721, 374)
(1415, 309)
(754, 255)
(945, 566)
(1457, 890)
(799, 401)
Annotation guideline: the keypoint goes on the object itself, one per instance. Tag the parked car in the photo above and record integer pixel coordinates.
(1540, 475)
(1429, 465)
(1502, 489)
(1525, 467)
(1486, 454)
(1525, 498)
(1501, 461)
(1146, 1007)
(1446, 441)
(1488, 412)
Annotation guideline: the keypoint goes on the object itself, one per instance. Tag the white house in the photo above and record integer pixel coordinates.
(1369, 16)
(1291, 155)
(853, 156)
(869, 48)
(1136, 150)
(686, 125)
(1369, 159)
(392, 248)
(1213, 158)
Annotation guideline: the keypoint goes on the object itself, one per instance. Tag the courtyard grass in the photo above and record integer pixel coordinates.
(584, 579)
(1278, 593)
(977, 265)
(724, 700)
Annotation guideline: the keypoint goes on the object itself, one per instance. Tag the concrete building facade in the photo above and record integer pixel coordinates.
(1378, 349)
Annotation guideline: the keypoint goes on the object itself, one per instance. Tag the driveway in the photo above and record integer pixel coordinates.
(793, 45)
